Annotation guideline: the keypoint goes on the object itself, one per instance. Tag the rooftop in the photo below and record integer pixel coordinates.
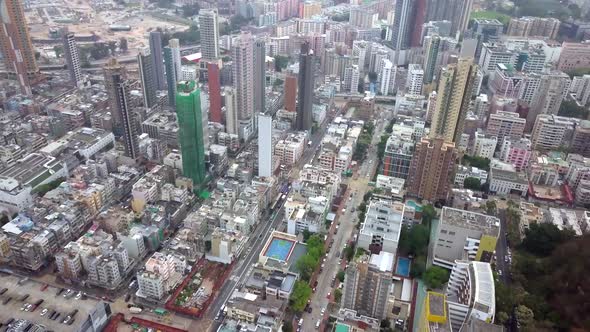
(32, 169)
(488, 225)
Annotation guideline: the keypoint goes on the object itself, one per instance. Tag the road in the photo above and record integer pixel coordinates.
(258, 239)
(502, 247)
(357, 186)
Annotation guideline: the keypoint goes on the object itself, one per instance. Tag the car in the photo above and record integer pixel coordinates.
(23, 307)
(329, 294)
(318, 323)
(323, 311)
(79, 295)
(44, 311)
(300, 322)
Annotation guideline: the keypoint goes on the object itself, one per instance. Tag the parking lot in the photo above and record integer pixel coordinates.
(20, 294)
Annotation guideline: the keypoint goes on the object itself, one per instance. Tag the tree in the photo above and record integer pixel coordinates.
(524, 315)
(472, 183)
(299, 296)
(190, 10)
(349, 252)
(502, 318)
(44, 188)
(340, 275)
(475, 161)
(306, 265)
(277, 82)
(570, 109)
(281, 62)
(428, 213)
(385, 323)
(373, 77)
(418, 266)
(435, 277)
(342, 17)
(123, 45)
(306, 235)
(418, 238)
(287, 326)
(112, 47)
(490, 207)
(337, 295)
(541, 238)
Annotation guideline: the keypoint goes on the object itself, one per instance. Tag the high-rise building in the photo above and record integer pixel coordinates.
(548, 97)
(431, 169)
(306, 84)
(465, 235)
(129, 122)
(209, 30)
(402, 24)
(214, 92)
(146, 73)
(455, 11)
(528, 26)
(264, 145)
(453, 96)
(387, 76)
(157, 60)
(552, 132)
(111, 70)
(190, 133)
(351, 79)
(291, 93)
(72, 58)
(173, 68)
(574, 56)
(243, 75)
(414, 79)
(471, 296)
(259, 75)
(366, 287)
(432, 46)
(15, 45)
(505, 125)
(231, 111)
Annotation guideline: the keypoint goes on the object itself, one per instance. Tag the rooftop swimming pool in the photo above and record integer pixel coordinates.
(279, 249)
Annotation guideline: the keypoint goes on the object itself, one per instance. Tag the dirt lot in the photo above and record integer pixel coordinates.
(83, 19)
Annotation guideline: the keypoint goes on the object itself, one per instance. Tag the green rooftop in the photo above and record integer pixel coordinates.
(340, 327)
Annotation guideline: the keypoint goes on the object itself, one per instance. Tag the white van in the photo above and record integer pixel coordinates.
(317, 324)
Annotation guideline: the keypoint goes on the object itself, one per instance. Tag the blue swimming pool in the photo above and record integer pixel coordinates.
(279, 249)
(403, 267)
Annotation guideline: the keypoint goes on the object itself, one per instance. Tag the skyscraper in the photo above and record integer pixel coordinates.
(172, 61)
(243, 75)
(264, 145)
(209, 29)
(15, 45)
(114, 72)
(432, 46)
(431, 168)
(157, 60)
(456, 11)
(190, 133)
(146, 73)
(214, 92)
(402, 24)
(366, 288)
(291, 93)
(72, 58)
(453, 96)
(128, 119)
(231, 111)
(306, 83)
(259, 75)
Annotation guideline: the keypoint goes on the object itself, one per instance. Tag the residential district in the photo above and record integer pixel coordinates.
(294, 165)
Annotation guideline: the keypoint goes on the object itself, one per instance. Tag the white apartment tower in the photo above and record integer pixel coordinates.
(243, 75)
(264, 145)
(209, 29)
(414, 79)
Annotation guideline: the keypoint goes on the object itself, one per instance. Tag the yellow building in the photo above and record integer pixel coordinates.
(453, 97)
(434, 315)
(309, 9)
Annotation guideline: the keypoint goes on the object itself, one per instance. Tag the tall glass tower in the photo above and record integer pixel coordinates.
(190, 134)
